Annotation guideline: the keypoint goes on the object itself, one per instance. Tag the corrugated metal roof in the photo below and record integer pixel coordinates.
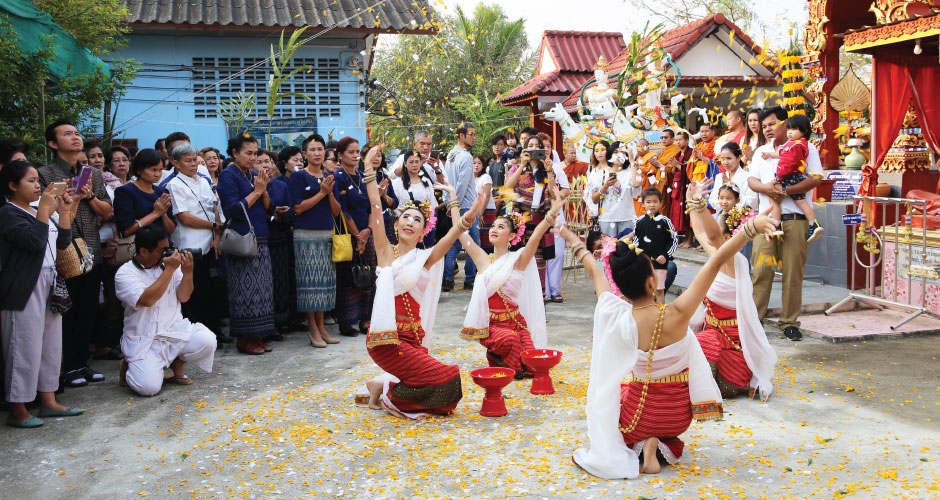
(578, 50)
(394, 15)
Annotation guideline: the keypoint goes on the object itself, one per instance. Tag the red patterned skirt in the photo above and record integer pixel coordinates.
(724, 349)
(426, 385)
(666, 413)
(509, 335)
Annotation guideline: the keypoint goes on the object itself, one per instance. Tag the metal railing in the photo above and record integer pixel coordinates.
(899, 263)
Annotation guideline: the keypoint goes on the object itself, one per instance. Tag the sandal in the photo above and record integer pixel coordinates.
(173, 379)
(74, 378)
(250, 346)
(558, 299)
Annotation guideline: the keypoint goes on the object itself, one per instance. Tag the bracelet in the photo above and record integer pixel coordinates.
(579, 246)
(453, 204)
(463, 224)
(368, 178)
(749, 230)
(694, 205)
(137, 221)
(71, 213)
(584, 253)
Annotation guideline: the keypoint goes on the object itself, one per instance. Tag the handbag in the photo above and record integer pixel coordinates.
(239, 245)
(75, 260)
(59, 299)
(125, 250)
(362, 273)
(342, 242)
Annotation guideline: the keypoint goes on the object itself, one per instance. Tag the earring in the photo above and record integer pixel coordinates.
(396, 233)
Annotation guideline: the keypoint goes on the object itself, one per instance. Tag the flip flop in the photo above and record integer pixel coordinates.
(173, 379)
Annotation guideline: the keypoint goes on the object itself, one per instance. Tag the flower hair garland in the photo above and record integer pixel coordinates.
(609, 246)
(518, 222)
(737, 217)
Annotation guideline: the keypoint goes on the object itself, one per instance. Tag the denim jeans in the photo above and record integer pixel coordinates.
(470, 270)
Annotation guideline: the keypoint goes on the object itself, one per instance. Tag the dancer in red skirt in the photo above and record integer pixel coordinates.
(669, 377)
(407, 291)
(734, 341)
(506, 312)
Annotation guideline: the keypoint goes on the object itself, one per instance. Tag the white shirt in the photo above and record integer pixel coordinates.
(615, 207)
(144, 324)
(420, 192)
(195, 197)
(400, 163)
(482, 181)
(765, 171)
(745, 195)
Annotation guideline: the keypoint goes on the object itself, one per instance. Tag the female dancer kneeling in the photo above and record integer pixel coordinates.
(506, 312)
(407, 291)
(734, 341)
(671, 381)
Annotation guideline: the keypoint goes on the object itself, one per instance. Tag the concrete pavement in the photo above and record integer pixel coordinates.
(851, 419)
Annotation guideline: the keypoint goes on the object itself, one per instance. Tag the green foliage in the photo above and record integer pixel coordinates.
(641, 46)
(432, 82)
(29, 98)
(236, 111)
(280, 61)
(96, 24)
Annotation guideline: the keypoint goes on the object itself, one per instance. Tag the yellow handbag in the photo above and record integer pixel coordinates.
(342, 242)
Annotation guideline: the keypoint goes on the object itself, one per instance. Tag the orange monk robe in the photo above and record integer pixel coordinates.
(697, 170)
(645, 167)
(668, 152)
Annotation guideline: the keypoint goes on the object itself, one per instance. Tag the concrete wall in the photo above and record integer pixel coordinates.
(162, 98)
(827, 256)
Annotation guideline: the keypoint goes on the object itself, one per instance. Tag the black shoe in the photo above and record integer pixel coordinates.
(348, 331)
(793, 333)
(223, 338)
(468, 286)
(447, 286)
(277, 337)
(92, 375)
(74, 378)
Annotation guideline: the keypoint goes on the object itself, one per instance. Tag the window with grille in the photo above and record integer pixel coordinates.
(218, 79)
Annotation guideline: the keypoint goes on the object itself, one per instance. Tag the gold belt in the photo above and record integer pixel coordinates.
(504, 316)
(711, 320)
(407, 327)
(679, 377)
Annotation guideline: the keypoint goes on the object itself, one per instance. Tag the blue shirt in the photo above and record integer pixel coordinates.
(304, 186)
(460, 174)
(353, 197)
(131, 204)
(234, 185)
(280, 197)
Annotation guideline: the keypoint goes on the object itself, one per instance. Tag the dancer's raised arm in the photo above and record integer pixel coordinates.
(461, 225)
(580, 251)
(383, 250)
(543, 227)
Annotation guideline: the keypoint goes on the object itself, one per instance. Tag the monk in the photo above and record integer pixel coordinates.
(704, 153)
(653, 176)
(669, 151)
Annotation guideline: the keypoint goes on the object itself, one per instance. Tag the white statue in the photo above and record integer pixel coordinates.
(600, 98)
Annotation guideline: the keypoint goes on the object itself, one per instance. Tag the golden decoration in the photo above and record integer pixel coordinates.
(850, 94)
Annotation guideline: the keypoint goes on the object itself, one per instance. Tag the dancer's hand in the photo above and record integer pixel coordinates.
(766, 225)
(698, 190)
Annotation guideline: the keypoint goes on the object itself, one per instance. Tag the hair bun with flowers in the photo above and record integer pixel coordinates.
(425, 208)
(518, 224)
(737, 217)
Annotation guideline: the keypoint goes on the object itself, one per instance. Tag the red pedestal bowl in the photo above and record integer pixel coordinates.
(493, 379)
(541, 362)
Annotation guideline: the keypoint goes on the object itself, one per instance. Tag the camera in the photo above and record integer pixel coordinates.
(168, 252)
(537, 154)
(196, 252)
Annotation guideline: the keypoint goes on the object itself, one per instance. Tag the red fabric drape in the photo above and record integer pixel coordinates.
(925, 80)
(891, 96)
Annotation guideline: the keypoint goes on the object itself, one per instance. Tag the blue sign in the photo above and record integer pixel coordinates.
(853, 219)
(847, 183)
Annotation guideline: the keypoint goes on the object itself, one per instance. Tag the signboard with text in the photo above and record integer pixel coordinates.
(847, 183)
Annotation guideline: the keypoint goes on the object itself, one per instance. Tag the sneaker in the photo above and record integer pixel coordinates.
(793, 333)
(91, 375)
(815, 231)
(447, 286)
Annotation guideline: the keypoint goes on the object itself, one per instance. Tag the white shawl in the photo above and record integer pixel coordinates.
(738, 294)
(529, 301)
(407, 274)
(614, 355)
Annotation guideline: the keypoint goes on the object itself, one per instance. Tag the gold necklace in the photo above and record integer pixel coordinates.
(654, 342)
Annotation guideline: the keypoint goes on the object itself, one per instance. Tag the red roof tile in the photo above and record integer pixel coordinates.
(578, 50)
(554, 83)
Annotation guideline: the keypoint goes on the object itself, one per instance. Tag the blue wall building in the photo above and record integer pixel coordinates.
(196, 54)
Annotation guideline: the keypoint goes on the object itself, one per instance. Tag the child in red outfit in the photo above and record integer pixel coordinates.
(790, 171)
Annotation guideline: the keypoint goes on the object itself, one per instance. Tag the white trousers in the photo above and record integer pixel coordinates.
(32, 344)
(553, 269)
(145, 376)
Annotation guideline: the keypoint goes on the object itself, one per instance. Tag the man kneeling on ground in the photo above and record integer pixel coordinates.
(156, 335)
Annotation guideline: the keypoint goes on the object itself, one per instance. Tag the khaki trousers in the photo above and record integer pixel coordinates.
(789, 253)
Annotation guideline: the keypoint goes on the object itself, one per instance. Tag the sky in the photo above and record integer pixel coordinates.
(620, 15)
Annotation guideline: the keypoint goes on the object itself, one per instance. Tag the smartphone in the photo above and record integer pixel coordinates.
(436, 154)
(59, 188)
(537, 154)
(82, 179)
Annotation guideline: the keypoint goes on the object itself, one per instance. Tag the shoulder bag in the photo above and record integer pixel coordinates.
(239, 245)
(362, 274)
(75, 260)
(342, 242)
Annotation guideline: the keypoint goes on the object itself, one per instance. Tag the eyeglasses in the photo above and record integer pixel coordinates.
(417, 219)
